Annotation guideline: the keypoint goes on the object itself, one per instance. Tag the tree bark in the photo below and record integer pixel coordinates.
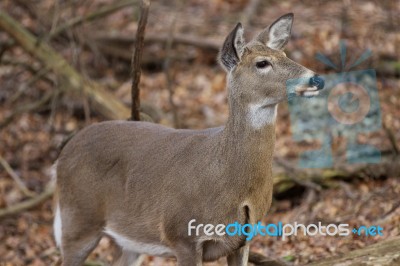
(136, 70)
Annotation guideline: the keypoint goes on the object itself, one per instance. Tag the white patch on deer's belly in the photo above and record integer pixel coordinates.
(138, 247)
(260, 116)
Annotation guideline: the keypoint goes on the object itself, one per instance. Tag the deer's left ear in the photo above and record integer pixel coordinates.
(232, 49)
(278, 34)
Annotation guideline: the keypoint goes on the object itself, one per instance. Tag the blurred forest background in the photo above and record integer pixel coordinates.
(75, 70)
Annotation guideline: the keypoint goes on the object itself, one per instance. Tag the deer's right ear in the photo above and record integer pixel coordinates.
(232, 49)
(278, 34)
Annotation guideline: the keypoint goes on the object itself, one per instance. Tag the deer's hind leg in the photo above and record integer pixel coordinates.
(76, 235)
(75, 251)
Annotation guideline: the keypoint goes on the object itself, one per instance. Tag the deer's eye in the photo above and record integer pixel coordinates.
(262, 64)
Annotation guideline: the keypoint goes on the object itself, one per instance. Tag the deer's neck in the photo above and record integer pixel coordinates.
(246, 151)
(249, 136)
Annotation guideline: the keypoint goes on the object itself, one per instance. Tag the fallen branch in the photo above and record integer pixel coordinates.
(292, 175)
(104, 102)
(382, 253)
(16, 178)
(388, 68)
(288, 175)
(136, 70)
(28, 204)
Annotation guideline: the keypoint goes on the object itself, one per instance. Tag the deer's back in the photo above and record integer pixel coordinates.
(104, 146)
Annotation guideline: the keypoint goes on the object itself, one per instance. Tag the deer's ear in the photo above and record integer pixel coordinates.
(278, 34)
(232, 49)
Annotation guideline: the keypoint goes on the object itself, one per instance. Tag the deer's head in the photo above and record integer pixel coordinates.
(258, 70)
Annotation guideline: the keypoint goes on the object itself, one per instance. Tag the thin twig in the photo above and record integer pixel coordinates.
(16, 178)
(33, 11)
(103, 101)
(4, 47)
(392, 139)
(8, 60)
(389, 214)
(250, 10)
(306, 206)
(56, 17)
(28, 204)
(184, 39)
(166, 67)
(40, 75)
(137, 58)
(121, 52)
(102, 12)
(27, 108)
(293, 173)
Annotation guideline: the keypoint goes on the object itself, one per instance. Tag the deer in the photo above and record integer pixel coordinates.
(141, 183)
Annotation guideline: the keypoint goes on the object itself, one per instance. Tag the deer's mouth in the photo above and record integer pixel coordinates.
(307, 91)
(311, 89)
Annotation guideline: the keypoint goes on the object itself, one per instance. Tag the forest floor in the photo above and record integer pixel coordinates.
(31, 141)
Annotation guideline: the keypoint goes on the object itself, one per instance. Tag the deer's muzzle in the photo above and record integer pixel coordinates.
(317, 81)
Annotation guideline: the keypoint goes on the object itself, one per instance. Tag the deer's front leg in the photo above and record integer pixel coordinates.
(189, 255)
(239, 257)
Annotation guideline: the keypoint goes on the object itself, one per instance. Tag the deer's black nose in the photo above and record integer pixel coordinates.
(317, 81)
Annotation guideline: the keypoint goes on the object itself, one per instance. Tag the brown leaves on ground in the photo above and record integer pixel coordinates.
(31, 142)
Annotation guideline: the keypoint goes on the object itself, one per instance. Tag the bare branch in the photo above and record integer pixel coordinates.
(28, 204)
(250, 10)
(16, 178)
(191, 40)
(137, 58)
(102, 12)
(166, 67)
(391, 138)
(104, 102)
(27, 108)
